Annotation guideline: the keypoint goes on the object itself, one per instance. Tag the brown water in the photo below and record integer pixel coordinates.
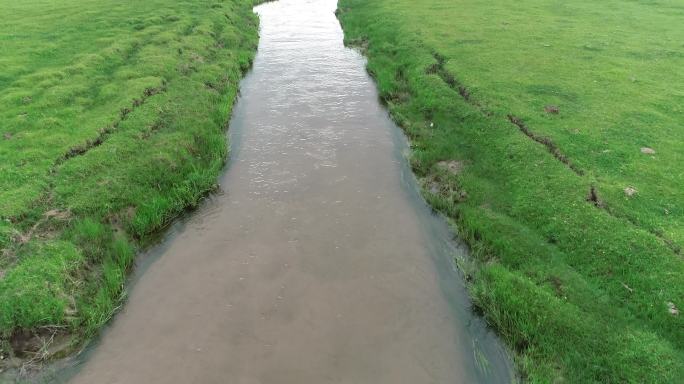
(319, 263)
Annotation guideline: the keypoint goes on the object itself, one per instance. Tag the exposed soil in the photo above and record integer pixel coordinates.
(455, 167)
(593, 197)
(551, 109)
(630, 191)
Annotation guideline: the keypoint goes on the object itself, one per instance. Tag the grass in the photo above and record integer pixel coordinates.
(113, 122)
(527, 121)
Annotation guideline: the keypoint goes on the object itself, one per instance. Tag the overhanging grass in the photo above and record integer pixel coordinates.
(114, 117)
(579, 284)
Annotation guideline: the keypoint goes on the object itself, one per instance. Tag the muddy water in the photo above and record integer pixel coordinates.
(318, 263)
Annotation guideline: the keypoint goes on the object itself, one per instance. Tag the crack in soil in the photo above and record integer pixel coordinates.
(46, 197)
(440, 70)
(545, 141)
(595, 200)
(105, 132)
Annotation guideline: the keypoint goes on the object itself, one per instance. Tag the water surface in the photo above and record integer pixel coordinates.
(319, 262)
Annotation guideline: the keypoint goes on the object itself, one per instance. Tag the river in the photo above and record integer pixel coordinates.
(318, 262)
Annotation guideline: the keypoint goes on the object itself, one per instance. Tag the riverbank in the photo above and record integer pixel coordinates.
(553, 147)
(114, 118)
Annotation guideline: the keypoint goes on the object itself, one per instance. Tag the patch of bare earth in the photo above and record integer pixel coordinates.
(454, 167)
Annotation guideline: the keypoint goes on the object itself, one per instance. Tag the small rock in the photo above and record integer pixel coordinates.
(552, 109)
(672, 309)
(648, 151)
(7, 136)
(630, 191)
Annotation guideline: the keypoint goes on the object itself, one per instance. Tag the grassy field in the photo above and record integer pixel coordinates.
(551, 134)
(113, 117)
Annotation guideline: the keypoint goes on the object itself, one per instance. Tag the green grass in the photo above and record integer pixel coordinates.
(113, 122)
(580, 290)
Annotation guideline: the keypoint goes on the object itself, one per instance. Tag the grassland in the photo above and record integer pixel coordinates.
(112, 122)
(551, 134)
